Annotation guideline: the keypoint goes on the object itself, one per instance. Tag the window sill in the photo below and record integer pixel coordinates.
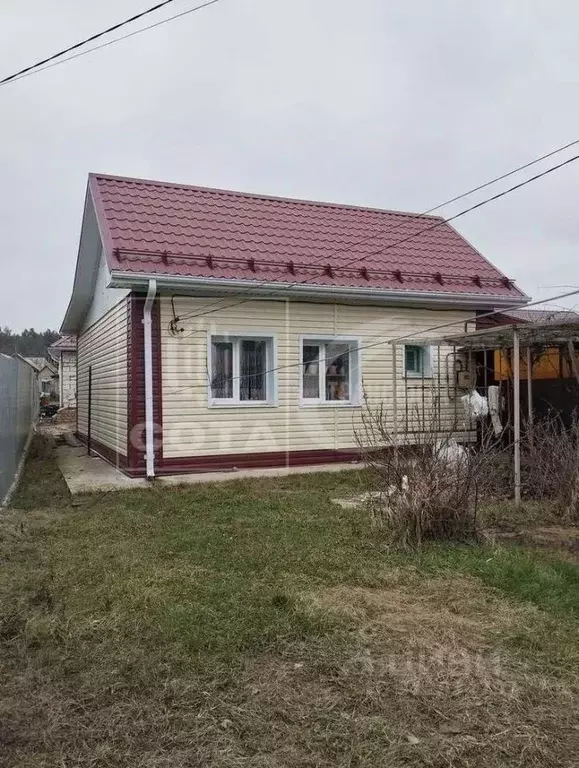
(243, 404)
(329, 404)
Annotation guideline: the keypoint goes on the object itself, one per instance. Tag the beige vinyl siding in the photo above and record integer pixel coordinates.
(191, 427)
(104, 346)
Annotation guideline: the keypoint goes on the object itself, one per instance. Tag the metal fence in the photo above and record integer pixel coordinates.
(18, 412)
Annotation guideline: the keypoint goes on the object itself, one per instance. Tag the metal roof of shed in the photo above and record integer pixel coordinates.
(530, 334)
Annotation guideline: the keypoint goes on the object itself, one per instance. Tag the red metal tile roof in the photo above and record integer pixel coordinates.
(169, 229)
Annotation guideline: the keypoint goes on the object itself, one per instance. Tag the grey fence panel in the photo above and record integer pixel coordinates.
(18, 412)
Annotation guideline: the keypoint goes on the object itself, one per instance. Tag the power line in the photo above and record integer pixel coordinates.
(33, 70)
(438, 223)
(413, 335)
(86, 40)
(483, 202)
(431, 210)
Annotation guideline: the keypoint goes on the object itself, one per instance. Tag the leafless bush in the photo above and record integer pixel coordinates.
(550, 463)
(428, 488)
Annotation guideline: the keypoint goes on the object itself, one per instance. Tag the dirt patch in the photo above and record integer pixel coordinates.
(561, 539)
(66, 416)
(54, 432)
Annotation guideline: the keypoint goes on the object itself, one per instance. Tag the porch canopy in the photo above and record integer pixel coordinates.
(516, 336)
(529, 335)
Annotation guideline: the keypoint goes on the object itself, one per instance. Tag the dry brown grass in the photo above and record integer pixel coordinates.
(428, 660)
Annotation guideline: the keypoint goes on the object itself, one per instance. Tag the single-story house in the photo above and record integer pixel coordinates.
(63, 352)
(46, 375)
(219, 329)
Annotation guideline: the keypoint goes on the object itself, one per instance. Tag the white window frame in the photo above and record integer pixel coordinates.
(354, 372)
(426, 373)
(271, 366)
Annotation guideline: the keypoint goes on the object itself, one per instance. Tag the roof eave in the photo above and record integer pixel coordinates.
(58, 350)
(193, 285)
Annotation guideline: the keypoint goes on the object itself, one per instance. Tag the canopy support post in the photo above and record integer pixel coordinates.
(517, 414)
(530, 394)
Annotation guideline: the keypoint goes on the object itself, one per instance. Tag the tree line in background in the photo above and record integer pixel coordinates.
(29, 343)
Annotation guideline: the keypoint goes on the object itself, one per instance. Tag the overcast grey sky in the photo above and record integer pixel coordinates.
(388, 104)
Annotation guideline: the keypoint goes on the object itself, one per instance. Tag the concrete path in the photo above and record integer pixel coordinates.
(86, 474)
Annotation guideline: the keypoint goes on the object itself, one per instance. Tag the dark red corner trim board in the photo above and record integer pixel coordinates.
(133, 464)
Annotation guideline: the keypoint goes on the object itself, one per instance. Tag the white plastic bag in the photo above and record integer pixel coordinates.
(475, 406)
(450, 451)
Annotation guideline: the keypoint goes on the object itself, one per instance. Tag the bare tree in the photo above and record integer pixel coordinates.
(550, 464)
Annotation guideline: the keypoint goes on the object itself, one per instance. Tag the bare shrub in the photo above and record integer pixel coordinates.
(550, 463)
(429, 488)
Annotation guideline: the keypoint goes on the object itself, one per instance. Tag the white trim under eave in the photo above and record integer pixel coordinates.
(329, 292)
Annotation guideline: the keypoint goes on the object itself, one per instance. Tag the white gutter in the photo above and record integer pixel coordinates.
(149, 431)
(283, 290)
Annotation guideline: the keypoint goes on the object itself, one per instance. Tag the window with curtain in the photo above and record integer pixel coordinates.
(330, 371)
(253, 367)
(241, 369)
(416, 360)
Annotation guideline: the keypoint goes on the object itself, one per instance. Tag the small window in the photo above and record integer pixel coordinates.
(241, 370)
(416, 360)
(330, 371)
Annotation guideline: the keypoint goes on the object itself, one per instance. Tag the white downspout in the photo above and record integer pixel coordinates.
(149, 431)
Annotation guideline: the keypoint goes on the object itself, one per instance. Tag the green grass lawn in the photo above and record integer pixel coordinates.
(255, 623)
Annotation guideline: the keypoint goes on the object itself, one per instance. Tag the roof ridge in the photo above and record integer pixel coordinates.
(259, 196)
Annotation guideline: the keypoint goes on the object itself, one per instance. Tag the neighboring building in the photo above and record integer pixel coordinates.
(63, 351)
(218, 329)
(46, 374)
(548, 362)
